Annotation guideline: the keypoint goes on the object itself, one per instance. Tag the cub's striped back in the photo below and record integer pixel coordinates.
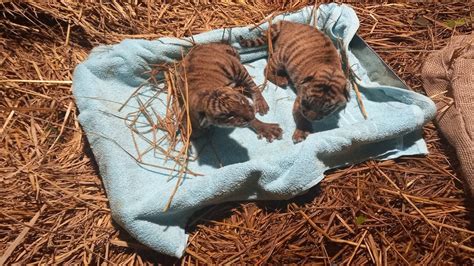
(308, 59)
(262, 40)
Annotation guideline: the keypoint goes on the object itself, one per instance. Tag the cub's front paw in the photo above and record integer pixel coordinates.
(299, 135)
(261, 106)
(270, 132)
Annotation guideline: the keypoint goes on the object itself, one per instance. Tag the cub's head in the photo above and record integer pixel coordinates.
(226, 107)
(318, 99)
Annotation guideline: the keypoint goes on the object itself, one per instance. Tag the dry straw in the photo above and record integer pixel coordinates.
(53, 205)
(175, 123)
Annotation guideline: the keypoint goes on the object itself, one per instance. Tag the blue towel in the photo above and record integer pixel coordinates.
(252, 169)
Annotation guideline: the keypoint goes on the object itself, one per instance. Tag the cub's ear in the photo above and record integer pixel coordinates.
(307, 79)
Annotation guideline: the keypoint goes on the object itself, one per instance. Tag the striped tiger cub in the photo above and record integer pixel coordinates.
(307, 58)
(219, 88)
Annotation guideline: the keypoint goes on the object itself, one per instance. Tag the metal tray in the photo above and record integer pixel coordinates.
(377, 69)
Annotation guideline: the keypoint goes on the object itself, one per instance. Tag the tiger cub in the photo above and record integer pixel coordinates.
(305, 56)
(219, 88)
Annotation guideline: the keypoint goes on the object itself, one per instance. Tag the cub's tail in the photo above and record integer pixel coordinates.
(262, 40)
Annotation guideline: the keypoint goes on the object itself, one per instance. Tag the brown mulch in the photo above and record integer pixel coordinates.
(53, 207)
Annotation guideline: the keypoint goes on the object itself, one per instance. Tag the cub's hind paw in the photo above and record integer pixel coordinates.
(299, 135)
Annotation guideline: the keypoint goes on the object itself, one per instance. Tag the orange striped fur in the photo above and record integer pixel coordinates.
(307, 58)
(219, 89)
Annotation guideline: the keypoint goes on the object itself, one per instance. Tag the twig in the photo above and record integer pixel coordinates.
(357, 247)
(336, 240)
(407, 199)
(21, 236)
(131, 96)
(458, 245)
(359, 98)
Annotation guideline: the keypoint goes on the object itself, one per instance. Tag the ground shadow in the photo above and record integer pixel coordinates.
(223, 211)
(32, 23)
(217, 149)
(86, 148)
(327, 123)
(468, 199)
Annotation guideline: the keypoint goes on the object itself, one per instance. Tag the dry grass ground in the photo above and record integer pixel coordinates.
(53, 208)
